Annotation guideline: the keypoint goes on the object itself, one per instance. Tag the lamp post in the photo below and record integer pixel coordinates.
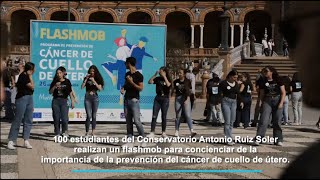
(224, 29)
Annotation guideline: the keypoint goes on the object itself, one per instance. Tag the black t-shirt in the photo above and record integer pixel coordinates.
(248, 87)
(213, 92)
(296, 86)
(272, 88)
(63, 90)
(90, 86)
(182, 87)
(161, 87)
(227, 91)
(132, 92)
(22, 88)
(6, 75)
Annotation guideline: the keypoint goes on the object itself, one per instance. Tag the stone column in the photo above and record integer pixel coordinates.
(201, 36)
(9, 32)
(232, 35)
(192, 36)
(241, 33)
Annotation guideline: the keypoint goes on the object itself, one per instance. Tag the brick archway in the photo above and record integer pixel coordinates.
(130, 10)
(35, 11)
(168, 11)
(247, 10)
(86, 16)
(208, 10)
(53, 10)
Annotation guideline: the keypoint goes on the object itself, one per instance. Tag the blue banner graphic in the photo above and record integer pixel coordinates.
(77, 46)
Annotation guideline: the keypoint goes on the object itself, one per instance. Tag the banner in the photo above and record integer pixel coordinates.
(77, 46)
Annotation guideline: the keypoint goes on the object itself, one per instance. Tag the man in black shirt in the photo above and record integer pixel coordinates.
(132, 87)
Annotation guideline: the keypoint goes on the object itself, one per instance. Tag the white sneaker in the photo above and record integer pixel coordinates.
(164, 135)
(151, 135)
(295, 124)
(129, 145)
(256, 143)
(231, 143)
(11, 145)
(27, 144)
(65, 135)
(176, 134)
(280, 144)
(86, 135)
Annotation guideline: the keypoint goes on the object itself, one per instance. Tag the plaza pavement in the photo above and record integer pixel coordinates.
(26, 163)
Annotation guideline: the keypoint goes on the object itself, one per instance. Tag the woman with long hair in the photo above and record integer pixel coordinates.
(229, 90)
(61, 88)
(296, 89)
(161, 101)
(273, 94)
(93, 83)
(24, 107)
(182, 87)
(246, 89)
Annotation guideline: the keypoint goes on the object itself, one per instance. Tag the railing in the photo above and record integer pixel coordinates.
(259, 50)
(19, 49)
(243, 52)
(208, 52)
(238, 53)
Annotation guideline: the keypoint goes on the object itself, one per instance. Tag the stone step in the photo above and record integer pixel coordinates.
(267, 62)
(263, 65)
(257, 68)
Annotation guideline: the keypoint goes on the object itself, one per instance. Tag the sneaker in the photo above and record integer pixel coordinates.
(295, 124)
(129, 145)
(164, 135)
(256, 143)
(231, 143)
(176, 134)
(193, 133)
(65, 135)
(86, 135)
(27, 144)
(151, 135)
(11, 145)
(280, 144)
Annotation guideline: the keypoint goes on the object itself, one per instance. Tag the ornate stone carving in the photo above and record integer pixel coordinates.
(4, 10)
(81, 10)
(197, 11)
(120, 11)
(158, 12)
(236, 11)
(43, 10)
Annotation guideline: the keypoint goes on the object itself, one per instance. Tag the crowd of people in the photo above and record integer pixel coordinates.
(228, 100)
(267, 46)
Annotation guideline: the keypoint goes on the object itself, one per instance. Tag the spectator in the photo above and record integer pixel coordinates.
(252, 46)
(265, 47)
(271, 45)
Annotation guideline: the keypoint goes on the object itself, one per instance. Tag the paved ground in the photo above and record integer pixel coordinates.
(24, 163)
